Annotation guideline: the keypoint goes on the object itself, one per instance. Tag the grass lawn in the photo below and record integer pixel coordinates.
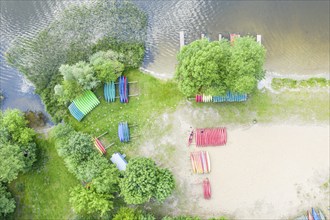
(43, 192)
(155, 97)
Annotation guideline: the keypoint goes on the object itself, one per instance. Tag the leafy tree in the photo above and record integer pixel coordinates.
(214, 68)
(7, 203)
(108, 181)
(76, 79)
(165, 185)
(87, 201)
(16, 125)
(17, 146)
(107, 66)
(141, 179)
(180, 218)
(12, 162)
(202, 67)
(245, 67)
(126, 213)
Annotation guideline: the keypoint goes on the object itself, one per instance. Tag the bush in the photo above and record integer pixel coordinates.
(144, 180)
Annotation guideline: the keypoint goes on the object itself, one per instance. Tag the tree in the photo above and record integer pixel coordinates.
(12, 162)
(17, 127)
(166, 184)
(126, 213)
(107, 66)
(213, 68)
(141, 179)
(245, 67)
(7, 203)
(76, 79)
(87, 201)
(17, 146)
(202, 67)
(108, 181)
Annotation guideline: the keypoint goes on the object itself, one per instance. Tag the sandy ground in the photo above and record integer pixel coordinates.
(265, 171)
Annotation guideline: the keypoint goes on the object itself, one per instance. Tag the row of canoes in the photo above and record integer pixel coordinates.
(82, 105)
(314, 215)
(123, 89)
(123, 132)
(200, 161)
(110, 92)
(210, 137)
(229, 97)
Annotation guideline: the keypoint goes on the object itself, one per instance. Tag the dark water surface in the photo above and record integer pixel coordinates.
(295, 34)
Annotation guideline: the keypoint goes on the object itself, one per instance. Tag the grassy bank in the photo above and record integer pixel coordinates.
(287, 83)
(43, 192)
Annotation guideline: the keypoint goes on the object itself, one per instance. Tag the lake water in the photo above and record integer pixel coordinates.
(295, 34)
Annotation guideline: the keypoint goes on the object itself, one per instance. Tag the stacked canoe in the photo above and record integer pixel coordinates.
(109, 92)
(229, 97)
(123, 132)
(123, 89)
(207, 188)
(210, 137)
(200, 162)
(99, 146)
(82, 105)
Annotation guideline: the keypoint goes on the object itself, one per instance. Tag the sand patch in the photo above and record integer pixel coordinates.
(264, 172)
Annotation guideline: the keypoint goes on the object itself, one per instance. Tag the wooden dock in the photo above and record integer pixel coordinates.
(181, 39)
(182, 43)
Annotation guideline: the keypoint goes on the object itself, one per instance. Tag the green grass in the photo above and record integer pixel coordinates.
(43, 192)
(264, 106)
(287, 83)
(155, 97)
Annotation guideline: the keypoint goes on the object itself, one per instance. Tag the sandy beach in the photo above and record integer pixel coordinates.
(266, 171)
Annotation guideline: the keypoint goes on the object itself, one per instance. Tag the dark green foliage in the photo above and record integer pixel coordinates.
(107, 66)
(87, 201)
(81, 159)
(141, 179)
(77, 33)
(7, 202)
(165, 184)
(286, 83)
(17, 146)
(180, 218)
(126, 213)
(216, 67)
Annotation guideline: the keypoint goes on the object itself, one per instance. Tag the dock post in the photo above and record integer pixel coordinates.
(259, 38)
(202, 36)
(181, 39)
(220, 37)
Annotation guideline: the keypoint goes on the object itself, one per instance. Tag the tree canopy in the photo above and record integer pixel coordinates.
(87, 201)
(213, 68)
(7, 202)
(107, 65)
(100, 178)
(141, 179)
(17, 146)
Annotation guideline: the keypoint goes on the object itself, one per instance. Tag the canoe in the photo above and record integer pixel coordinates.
(322, 217)
(192, 163)
(208, 161)
(309, 216)
(315, 215)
